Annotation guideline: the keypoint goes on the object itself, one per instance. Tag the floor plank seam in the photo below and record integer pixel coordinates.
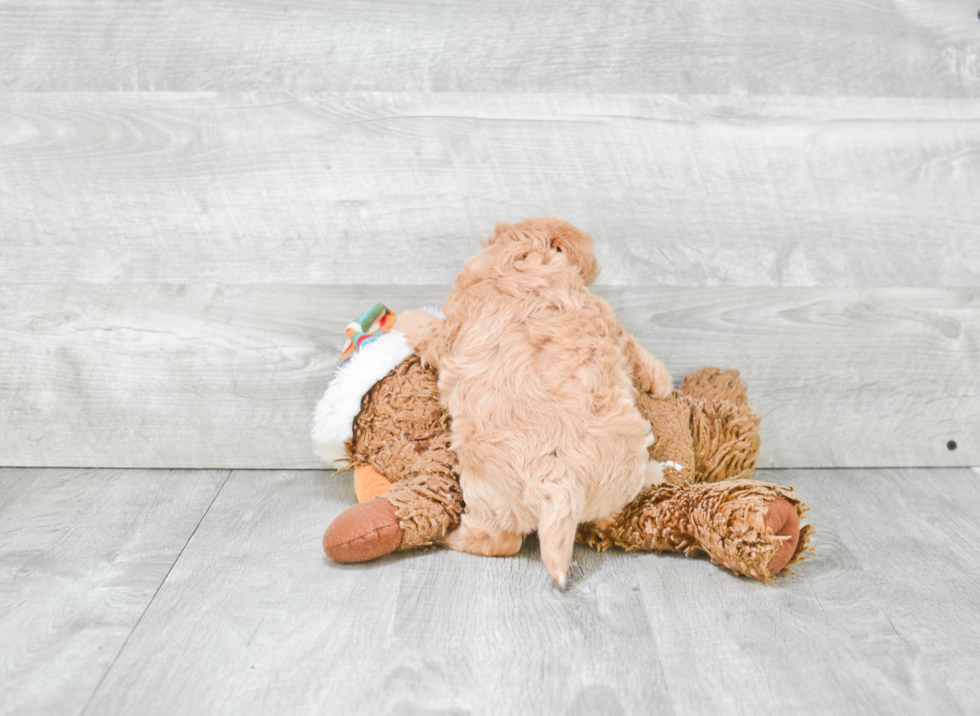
(153, 598)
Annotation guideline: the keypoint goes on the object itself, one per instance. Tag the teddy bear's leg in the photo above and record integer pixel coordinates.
(428, 502)
(417, 511)
(749, 527)
(402, 437)
(752, 528)
(366, 531)
(370, 528)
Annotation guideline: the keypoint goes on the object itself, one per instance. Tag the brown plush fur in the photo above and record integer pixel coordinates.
(671, 421)
(726, 520)
(723, 442)
(537, 376)
(404, 433)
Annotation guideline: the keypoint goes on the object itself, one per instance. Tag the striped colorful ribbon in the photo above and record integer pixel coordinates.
(373, 323)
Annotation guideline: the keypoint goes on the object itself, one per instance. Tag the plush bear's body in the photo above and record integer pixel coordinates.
(707, 440)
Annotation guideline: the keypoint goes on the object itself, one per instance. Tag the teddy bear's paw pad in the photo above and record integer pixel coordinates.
(782, 519)
(365, 531)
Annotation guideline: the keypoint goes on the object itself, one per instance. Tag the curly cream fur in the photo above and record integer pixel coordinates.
(538, 378)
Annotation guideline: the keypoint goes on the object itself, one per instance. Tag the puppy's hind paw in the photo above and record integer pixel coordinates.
(467, 538)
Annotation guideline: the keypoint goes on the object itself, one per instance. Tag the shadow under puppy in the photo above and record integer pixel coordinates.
(538, 378)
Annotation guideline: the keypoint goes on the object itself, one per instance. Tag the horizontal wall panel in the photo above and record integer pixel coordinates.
(227, 376)
(916, 48)
(396, 188)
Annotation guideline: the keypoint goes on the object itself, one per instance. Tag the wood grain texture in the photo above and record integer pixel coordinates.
(253, 619)
(82, 553)
(693, 191)
(918, 48)
(509, 642)
(227, 376)
(880, 621)
(931, 557)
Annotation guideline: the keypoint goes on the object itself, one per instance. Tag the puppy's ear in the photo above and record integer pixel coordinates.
(577, 247)
(499, 230)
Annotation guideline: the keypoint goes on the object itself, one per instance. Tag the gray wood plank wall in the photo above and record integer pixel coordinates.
(895, 48)
(196, 198)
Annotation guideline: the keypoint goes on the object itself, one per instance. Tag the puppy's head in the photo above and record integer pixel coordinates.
(546, 234)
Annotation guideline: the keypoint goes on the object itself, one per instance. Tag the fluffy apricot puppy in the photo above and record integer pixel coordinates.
(538, 378)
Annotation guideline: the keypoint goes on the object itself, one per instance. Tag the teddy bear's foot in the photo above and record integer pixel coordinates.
(783, 520)
(752, 528)
(363, 532)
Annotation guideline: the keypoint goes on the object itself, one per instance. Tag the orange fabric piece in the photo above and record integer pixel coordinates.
(369, 483)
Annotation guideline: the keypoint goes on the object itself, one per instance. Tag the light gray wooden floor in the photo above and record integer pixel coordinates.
(206, 592)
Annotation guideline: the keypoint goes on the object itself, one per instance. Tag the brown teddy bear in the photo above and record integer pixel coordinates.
(382, 415)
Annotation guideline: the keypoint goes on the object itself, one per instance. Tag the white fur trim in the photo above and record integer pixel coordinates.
(333, 419)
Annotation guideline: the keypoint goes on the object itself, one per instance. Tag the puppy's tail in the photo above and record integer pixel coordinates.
(556, 534)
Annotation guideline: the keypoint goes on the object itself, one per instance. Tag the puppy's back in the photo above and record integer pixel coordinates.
(543, 416)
